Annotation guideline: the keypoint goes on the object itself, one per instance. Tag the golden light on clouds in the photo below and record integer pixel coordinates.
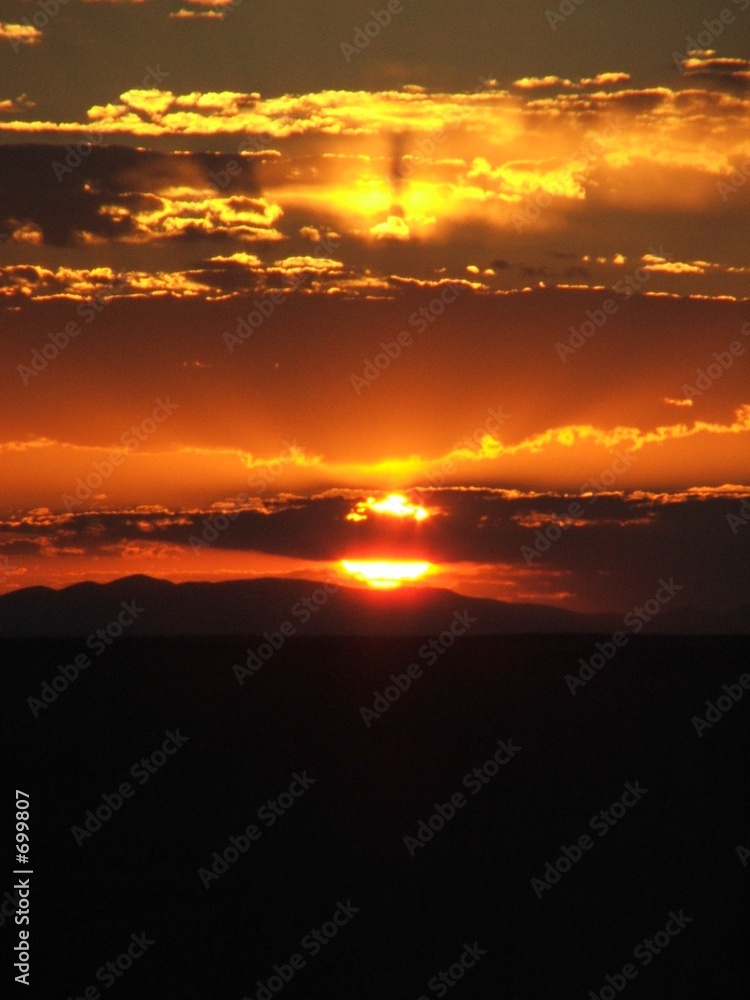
(395, 504)
(20, 34)
(269, 244)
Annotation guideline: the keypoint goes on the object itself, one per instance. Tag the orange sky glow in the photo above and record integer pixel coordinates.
(389, 332)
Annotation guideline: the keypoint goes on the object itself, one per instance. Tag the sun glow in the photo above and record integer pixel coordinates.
(385, 574)
(395, 504)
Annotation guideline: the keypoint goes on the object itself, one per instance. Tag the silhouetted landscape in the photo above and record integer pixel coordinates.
(255, 606)
(375, 778)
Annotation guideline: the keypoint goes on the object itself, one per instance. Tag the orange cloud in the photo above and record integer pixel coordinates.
(19, 34)
(393, 228)
(416, 162)
(617, 456)
(17, 105)
(192, 212)
(557, 82)
(192, 15)
(708, 64)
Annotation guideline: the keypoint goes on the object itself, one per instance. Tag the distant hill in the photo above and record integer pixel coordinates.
(251, 607)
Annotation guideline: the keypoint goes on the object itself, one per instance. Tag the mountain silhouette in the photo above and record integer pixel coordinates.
(149, 606)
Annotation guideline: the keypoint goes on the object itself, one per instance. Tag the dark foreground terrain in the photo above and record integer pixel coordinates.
(655, 899)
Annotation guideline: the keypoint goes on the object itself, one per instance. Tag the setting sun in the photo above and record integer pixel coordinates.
(385, 574)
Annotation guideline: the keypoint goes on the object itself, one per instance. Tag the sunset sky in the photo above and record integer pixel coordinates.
(262, 261)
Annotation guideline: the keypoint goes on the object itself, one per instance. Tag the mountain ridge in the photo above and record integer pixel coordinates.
(255, 606)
